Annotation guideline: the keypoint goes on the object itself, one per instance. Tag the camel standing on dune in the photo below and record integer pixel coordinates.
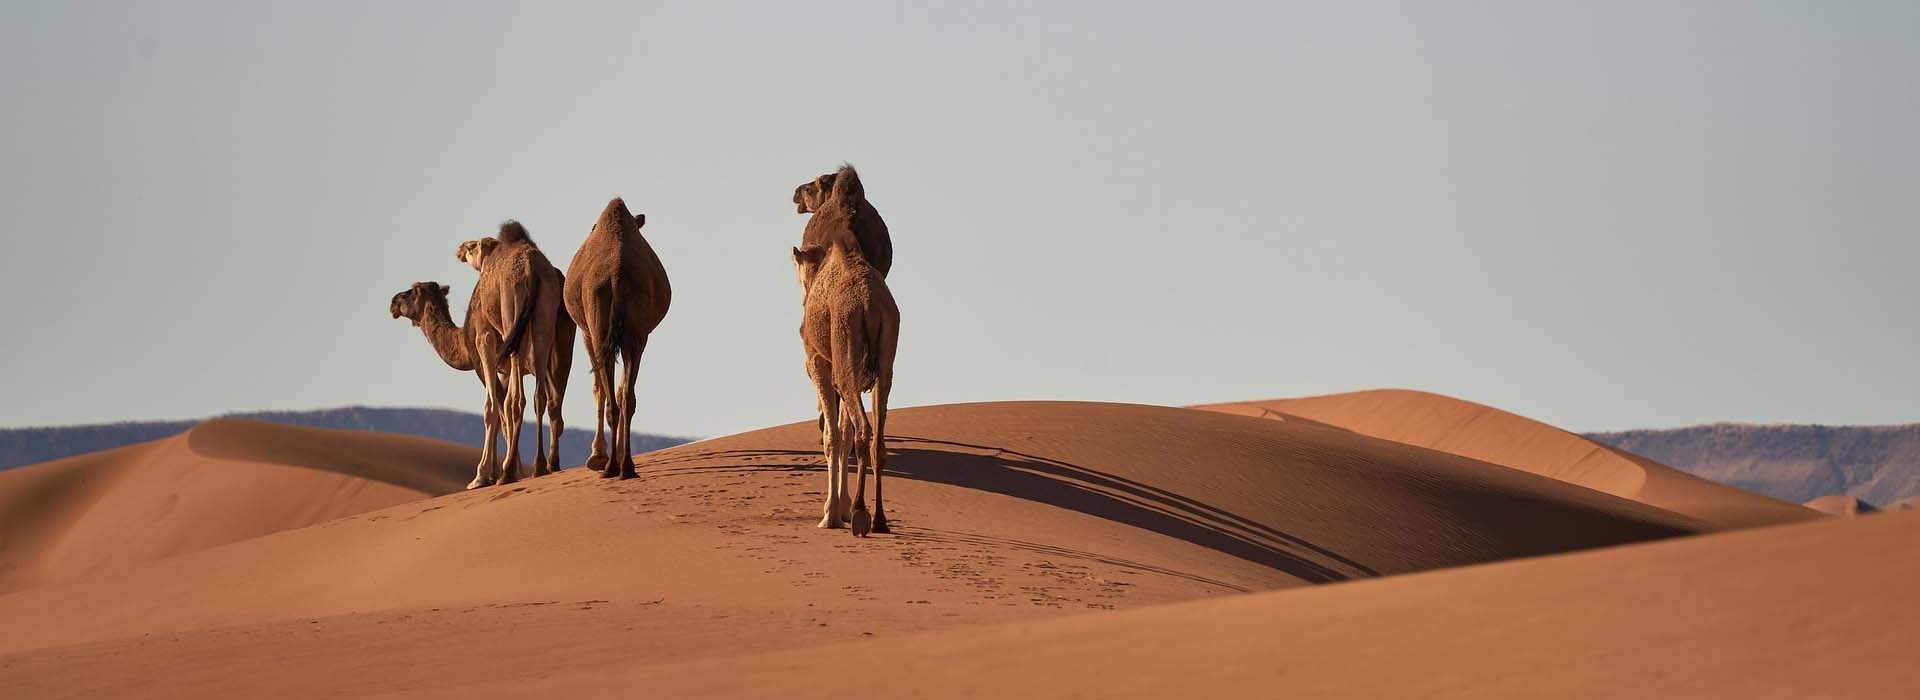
(864, 228)
(549, 425)
(617, 291)
(868, 230)
(850, 329)
(504, 314)
(425, 304)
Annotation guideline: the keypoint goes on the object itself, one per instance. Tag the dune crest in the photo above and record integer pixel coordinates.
(219, 482)
(1489, 434)
(1842, 505)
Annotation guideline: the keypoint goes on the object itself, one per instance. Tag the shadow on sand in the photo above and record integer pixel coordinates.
(1060, 484)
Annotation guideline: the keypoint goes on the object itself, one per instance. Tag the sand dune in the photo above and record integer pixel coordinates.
(1842, 505)
(1004, 512)
(1808, 610)
(220, 482)
(1490, 434)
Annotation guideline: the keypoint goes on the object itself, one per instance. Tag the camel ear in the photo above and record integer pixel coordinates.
(639, 220)
(444, 289)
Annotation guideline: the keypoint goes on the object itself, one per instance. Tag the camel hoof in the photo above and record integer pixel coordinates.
(609, 473)
(830, 523)
(597, 463)
(880, 525)
(478, 484)
(862, 522)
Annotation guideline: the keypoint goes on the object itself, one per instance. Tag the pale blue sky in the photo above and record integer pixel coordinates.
(1603, 215)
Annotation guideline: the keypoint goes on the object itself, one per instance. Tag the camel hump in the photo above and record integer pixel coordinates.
(512, 232)
(618, 220)
(846, 184)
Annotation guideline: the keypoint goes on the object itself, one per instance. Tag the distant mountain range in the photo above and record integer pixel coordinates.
(22, 446)
(1876, 464)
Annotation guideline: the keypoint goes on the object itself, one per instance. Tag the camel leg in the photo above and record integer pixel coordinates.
(597, 366)
(609, 413)
(856, 417)
(877, 450)
(560, 366)
(555, 427)
(845, 447)
(540, 464)
(834, 513)
(830, 512)
(483, 474)
(630, 371)
(510, 420)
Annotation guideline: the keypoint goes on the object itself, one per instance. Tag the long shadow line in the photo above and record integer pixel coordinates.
(1065, 486)
(1158, 495)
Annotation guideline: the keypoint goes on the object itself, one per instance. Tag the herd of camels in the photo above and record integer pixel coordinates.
(615, 293)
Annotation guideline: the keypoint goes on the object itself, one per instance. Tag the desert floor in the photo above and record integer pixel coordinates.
(1376, 544)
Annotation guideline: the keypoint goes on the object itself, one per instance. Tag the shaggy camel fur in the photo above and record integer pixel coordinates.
(549, 424)
(850, 329)
(867, 229)
(617, 291)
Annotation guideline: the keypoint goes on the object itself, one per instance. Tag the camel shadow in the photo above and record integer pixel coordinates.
(1073, 487)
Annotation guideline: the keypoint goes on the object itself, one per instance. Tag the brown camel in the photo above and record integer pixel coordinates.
(549, 424)
(868, 230)
(617, 291)
(850, 329)
(864, 227)
(425, 304)
(505, 314)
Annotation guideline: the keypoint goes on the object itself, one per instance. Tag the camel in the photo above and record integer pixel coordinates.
(850, 329)
(617, 291)
(425, 304)
(505, 313)
(868, 229)
(549, 425)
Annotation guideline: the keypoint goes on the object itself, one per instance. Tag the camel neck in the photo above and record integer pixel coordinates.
(449, 340)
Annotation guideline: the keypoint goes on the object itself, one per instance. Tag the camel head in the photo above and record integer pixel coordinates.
(474, 252)
(413, 302)
(808, 197)
(806, 264)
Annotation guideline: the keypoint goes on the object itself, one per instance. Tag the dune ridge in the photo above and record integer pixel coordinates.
(222, 481)
(1485, 433)
(1842, 505)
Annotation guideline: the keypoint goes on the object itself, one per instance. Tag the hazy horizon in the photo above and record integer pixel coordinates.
(1630, 215)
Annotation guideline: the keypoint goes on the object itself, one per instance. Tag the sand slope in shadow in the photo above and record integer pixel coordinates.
(1489, 434)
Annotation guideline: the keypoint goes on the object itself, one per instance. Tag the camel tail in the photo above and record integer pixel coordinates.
(616, 312)
(511, 343)
(876, 348)
(846, 185)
